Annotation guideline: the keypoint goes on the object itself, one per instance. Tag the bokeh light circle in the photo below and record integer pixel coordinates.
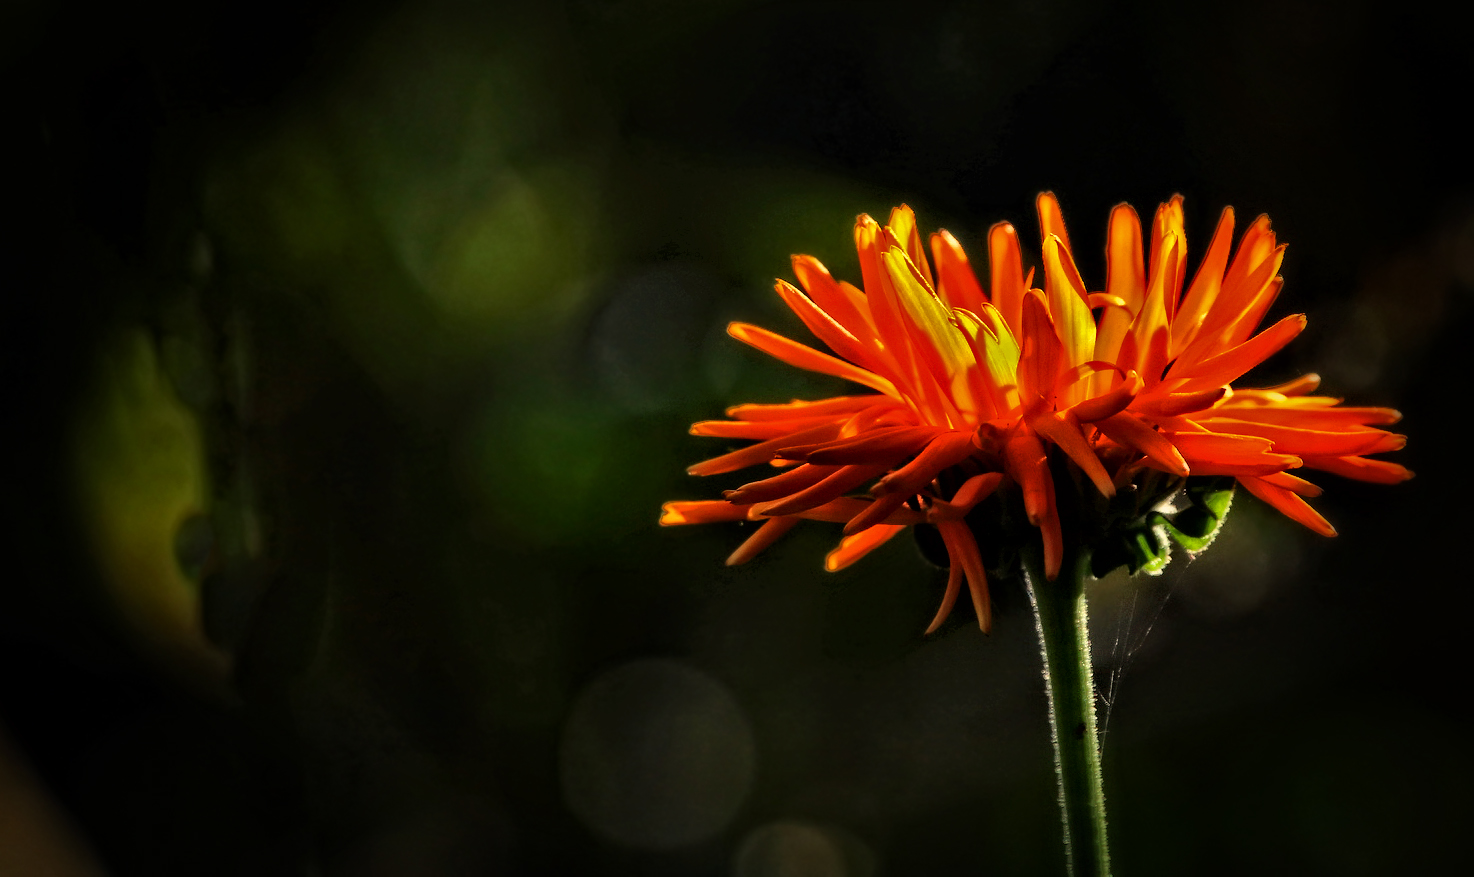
(656, 754)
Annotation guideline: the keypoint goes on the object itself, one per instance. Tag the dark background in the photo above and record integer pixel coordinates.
(367, 336)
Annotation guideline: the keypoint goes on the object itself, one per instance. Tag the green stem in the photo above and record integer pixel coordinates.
(1064, 638)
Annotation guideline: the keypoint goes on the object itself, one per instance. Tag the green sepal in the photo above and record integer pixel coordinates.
(1195, 527)
(1150, 552)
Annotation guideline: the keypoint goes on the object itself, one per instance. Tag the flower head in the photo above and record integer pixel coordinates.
(975, 390)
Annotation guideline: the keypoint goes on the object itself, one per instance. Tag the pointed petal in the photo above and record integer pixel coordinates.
(771, 531)
(881, 509)
(1166, 226)
(836, 484)
(1006, 275)
(1293, 483)
(791, 481)
(1298, 387)
(1375, 471)
(1110, 402)
(1292, 506)
(1313, 442)
(1159, 405)
(880, 447)
(801, 409)
(949, 598)
(947, 449)
(1051, 218)
(1067, 305)
(1232, 364)
(962, 548)
(1041, 359)
(1134, 433)
(1211, 453)
(800, 356)
(700, 511)
(903, 225)
(1027, 463)
(827, 329)
(847, 306)
(762, 452)
(1205, 286)
(1064, 430)
(852, 548)
(956, 282)
(761, 429)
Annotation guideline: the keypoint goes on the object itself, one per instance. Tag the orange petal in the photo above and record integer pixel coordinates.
(949, 598)
(1159, 404)
(1302, 442)
(881, 509)
(788, 483)
(700, 511)
(974, 490)
(1204, 288)
(1292, 483)
(887, 446)
(843, 509)
(902, 226)
(1375, 471)
(947, 449)
(1110, 402)
(1051, 218)
(762, 429)
(962, 549)
(1027, 463)
(1167, 227)
(1298, 387)
(826, 328)
(1042, 355)
(846, 305)
(1064, 430)
(852, 548)
(800, 356)
(1132, 432)
(771, 531)
(1231, 364)
(836, 484)
(799, 408)
(1210, 453)
(1006, 276)
(1067, 305)
(762, 452)
(956, 282)
(1329, 419)
(1292, 506)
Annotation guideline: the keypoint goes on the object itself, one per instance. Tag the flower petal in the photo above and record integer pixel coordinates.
(1360, 468)
(771, 531)
(800, 356)
(1006, 274)
(1292, 506)
(956, 282)
(1132, 432)
(962, 549)
(700, 511)
(791, 481)
(887, 446)
(852, 548)
(836, 484)
(762, 452)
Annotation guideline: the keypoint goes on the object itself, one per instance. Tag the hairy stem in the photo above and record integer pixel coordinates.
(1064, 639)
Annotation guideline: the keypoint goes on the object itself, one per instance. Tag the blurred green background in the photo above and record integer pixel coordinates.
(350, 351)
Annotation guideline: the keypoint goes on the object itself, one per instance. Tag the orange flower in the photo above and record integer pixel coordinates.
(985, 384)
